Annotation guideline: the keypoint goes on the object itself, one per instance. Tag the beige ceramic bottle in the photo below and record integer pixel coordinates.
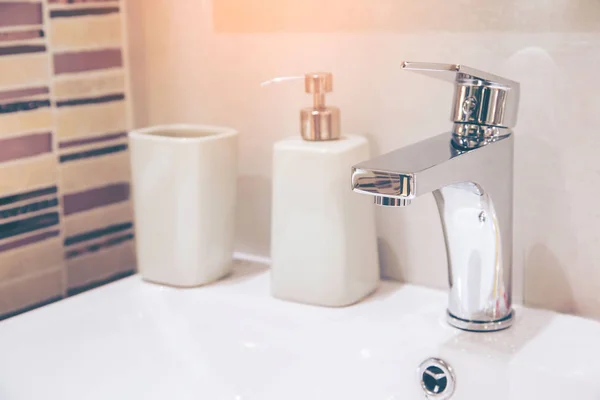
(324, 243)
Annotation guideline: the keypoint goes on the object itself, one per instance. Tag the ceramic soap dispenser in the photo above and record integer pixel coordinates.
(323, 239)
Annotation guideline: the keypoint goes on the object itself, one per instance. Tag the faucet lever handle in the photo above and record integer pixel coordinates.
(480, 98)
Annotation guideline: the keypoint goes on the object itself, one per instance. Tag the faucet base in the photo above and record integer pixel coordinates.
(481, 326)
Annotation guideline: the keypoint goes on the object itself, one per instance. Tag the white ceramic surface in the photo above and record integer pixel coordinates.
(184, 189)
(323, 241)
(133, 340)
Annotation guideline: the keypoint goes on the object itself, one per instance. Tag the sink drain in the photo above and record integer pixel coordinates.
(437, 379)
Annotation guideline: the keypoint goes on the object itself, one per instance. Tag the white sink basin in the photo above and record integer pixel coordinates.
(232, 341)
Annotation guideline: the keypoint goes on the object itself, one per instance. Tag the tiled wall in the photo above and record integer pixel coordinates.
(202, 61)
(65, 213)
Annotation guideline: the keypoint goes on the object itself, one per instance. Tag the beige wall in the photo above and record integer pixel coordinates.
(193, 62)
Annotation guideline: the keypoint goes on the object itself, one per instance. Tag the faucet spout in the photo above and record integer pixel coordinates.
(473, 189)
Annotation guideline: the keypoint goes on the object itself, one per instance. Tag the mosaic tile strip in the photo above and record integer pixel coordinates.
(93, 172)
(34, 120)
(93, 153)
(91, 120)
(24, 261)
(27, 174)
(27, 195)
(98, 197)
(92, 285)
(92, 140)
(22, 49)
(28, 208)
(83, 237)
(26, 294)
(79, 12)
(23, 106)
(20, 13)
(26, 225)
(21, 35)
(91, 100)
(64, 160)
(112, 214)
(100, 266)
(65, 63)
(99, 246)
(104, 31)
(25, 146)
(90, 85)
(26, 70)
(29, 240)
(80, 1)
(27, 92)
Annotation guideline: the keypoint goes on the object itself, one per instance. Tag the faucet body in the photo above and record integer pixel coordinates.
(470, 173)
(473, 189)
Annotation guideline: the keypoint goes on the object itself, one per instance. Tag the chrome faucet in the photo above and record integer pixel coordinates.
(470, 173)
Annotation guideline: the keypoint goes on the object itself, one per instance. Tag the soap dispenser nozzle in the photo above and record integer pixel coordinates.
(319, 122)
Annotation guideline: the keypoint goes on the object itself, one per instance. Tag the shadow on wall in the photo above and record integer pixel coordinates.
(544, 222)
(411, 243)
(388, 259)
(545, 282)
(546, 246)
(253, 229)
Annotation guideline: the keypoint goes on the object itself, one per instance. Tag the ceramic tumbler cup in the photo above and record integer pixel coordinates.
(184, 190)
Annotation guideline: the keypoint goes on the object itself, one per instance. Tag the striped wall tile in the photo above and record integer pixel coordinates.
(94, 172)
(24, 70)
(83, 12)
(26, 293)
(91, 120)
(104, 242)
(89, 85)
(24, 93)
(100, 265)
(77, 202)
(92, 153)
(119, 137)
(91, 253)
(40, 119)
(79, 2)
(101, 233)
(33, 173)
(39, 256)
(83, 222)
(107, 98)
(65, 208)
(16, 13)
(88, 60)
(17, 49)
(22, 35)
(28, 99)
(25, 146)
(12, 232)
(93, 31)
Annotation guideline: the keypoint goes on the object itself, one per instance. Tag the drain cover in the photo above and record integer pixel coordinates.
(437, 379)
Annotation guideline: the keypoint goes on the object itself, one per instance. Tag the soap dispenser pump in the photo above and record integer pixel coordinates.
(319, 122)
(323, 237)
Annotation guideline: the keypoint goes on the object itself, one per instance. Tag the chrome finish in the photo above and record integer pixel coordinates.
(470, 173)
(391, 201)
(480, 98)
(478, 326)
(319, 122)
(437, 379)
(469, 136)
